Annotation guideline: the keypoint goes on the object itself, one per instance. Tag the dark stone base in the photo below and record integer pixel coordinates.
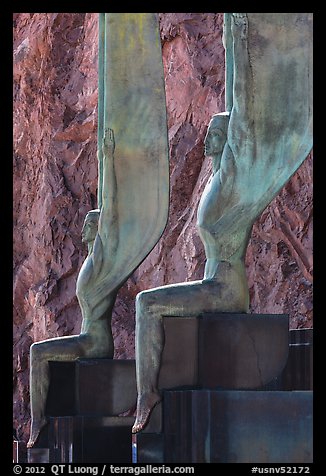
(38, 455)
(241, 427)
(224, 350)
(19, 452)
(298, 373)
(94, 387)
(84, 402)
(82, 439)
(220, 426)
(203, 358)
(241, 351)
(149, 448)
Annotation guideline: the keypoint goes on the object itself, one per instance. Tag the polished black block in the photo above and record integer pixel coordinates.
(38, 455)
(241, 351)
(61, 398)
(213, 351)
(222, 350)
(149, 448)
(97, 387)
(106, 440)
(83, 439)
(179, 365)
(84, 402)
(298, 373)
(19, 452)
(220, 426)
(105, 386)
(155, 422)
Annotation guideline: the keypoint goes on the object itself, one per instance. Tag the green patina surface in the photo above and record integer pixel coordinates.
(133, 191)
(255, 146)
(132, 88)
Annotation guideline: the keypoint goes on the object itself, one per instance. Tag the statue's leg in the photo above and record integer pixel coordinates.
(61, 348)
(178, 300)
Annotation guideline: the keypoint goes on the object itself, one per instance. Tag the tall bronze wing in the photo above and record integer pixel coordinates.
(269, 97)
(131, 86)
(280, 60)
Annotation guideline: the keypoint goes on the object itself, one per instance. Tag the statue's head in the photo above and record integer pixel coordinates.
(216, 134)
(90, 226)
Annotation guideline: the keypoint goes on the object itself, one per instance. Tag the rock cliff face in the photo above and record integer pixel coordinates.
(55, 184)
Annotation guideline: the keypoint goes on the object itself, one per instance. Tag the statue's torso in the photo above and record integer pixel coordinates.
(84, 276)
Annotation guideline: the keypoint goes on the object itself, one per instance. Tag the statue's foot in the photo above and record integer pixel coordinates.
(145, 406)
(36, 428)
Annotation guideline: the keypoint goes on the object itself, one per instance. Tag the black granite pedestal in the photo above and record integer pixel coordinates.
(220, 426)
(85, 439)
(93, 387)
(86, 407)
(251, 399)
(19, 452)
(226, 350)
(216, 371)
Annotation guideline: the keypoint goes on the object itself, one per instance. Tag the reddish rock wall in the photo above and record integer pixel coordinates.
(55, 181)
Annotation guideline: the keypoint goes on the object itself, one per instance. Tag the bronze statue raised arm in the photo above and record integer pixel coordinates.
(100, 232)
(224, 287)
(102, 249)
(133, 190)
(255, 147)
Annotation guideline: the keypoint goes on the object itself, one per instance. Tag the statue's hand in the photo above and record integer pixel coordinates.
(239, 25)
(108, 143)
